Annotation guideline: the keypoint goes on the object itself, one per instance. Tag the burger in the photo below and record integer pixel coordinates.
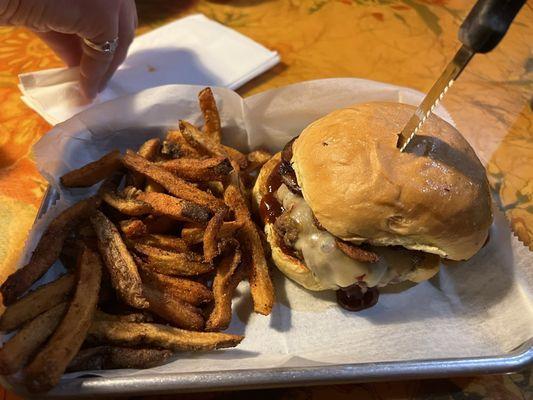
(343, 209)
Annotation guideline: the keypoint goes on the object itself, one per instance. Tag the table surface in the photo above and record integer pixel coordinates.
(404, 42)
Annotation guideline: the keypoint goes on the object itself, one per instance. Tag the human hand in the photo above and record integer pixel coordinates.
(63, 24)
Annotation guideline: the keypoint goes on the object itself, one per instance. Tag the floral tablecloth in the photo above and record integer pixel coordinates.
(405, 42)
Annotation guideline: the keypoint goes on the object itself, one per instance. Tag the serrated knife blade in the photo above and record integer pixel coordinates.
(434, 96)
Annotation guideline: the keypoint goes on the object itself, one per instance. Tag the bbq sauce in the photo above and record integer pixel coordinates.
(270, 208)
(352, 298)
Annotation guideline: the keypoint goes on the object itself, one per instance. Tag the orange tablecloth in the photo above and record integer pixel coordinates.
(405, 42)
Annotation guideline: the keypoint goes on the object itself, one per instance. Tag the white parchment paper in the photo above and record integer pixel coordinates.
(474, 308)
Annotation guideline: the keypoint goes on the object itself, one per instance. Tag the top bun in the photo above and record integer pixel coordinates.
(434, 197)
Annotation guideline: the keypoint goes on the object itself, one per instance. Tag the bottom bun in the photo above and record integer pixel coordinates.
(290, 266)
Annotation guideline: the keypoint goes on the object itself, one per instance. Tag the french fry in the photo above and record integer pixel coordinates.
(152, 186)
(47, 251)
(172, 263)
(17, 350)
(224, 284)
(36, 302)
(261, 285)
(173, 150)
(172, 309)
(177, 146)
(174, 185)
(208, 105)
(165, 242)
(46, 368)
(127, 206)
(189, 291)
(199, 170)
(256, 159)
(109, 357)
(207, 145)
(160, 336)
(210, 236)
(149, 150)
(215, 187)
(93, 172)
(195, 235)
(159, 224)
(175, 208)
(132, 317)
(119, 262)
(111, 183)
(133, 227)
(70, 252)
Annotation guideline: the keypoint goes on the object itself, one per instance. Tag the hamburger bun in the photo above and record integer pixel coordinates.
(434, 197)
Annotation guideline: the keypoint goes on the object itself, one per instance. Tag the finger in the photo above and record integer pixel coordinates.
(126, 33)
(67, 47)
(94, 64)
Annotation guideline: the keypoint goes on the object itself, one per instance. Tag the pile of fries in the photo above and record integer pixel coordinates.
(152, 260)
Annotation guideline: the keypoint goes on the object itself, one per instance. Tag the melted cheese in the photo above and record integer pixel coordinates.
(330, 265)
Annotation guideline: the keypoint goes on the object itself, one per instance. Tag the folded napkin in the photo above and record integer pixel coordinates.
(192, 50)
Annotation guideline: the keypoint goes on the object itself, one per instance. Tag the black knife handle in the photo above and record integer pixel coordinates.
(487, 23)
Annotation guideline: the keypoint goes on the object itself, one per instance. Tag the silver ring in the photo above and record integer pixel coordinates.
(107, 47)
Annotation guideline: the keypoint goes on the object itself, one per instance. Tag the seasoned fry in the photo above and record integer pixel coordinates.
(27, 340)
(148, 150)
(109, 357)
(207, 145)
(172, 309)
(177, 146)
(36, 302)
(46, 369)
(215, 187)
(224, 285)
(161, 336)
(152, 186)
(196, 234)
(171, 150)
(159, 224)
(211, 234)
(256, 159)
(132, 317)
(199, 170)
(172, 263)
(165, 242)
(70, 252)
(190, 291)
(171, 183)
(119, 262)
(47, 251)
(93, 172)
(127, 206)
(112, 182)
(259, 276)
(172, 207)
(133, 227)
(212, 127)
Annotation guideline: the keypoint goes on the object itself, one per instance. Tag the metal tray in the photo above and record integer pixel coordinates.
(518, 359)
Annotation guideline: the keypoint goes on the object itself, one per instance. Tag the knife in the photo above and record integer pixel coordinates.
(481, 31)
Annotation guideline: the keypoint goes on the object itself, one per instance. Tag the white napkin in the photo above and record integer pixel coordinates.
(192, 50)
